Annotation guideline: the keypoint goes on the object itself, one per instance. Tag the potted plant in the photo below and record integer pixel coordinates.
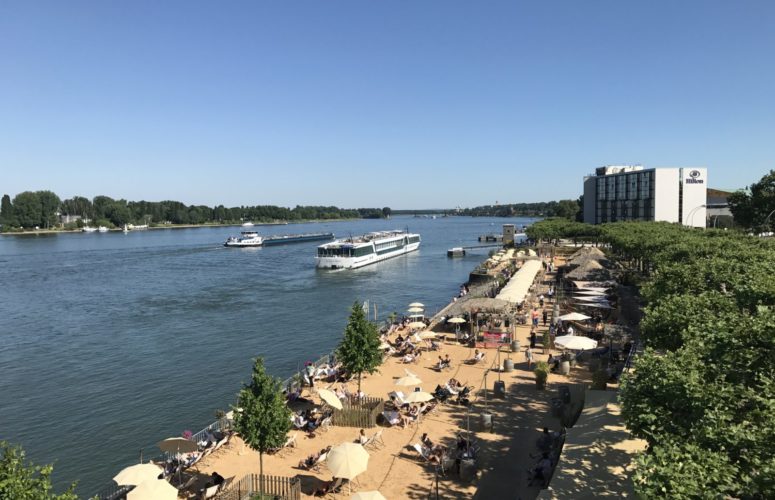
(542, 374)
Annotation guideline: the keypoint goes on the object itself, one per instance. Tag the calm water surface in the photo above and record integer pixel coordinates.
(112, 342)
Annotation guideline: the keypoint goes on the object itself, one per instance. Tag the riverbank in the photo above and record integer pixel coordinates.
(34, 232)
(394, 468)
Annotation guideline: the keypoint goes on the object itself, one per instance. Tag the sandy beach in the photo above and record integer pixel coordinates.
(399, 472)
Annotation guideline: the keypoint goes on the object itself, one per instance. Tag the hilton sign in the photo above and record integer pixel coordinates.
(694, 178)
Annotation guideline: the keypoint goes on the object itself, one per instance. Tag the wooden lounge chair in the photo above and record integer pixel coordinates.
(320, 461)
(392, 418)
(289, 444)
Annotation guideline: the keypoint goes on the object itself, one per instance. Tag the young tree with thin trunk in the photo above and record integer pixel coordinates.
(25, 481)
(359, 350)
(262, 418)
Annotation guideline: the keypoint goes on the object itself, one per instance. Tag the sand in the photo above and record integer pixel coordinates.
(398, 472)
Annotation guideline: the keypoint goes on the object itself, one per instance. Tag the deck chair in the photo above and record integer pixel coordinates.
(289, 444)
(419, 448)
(211, 492)
(392, 417)
(336, 488)
(376, 442)
(320, 461)
(188, 483)
(325, 424)
(400, 398)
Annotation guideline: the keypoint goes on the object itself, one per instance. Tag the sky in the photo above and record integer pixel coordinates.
(406, 104)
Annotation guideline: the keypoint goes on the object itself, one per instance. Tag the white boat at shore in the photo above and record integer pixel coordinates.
(87, 229)
(245, 239)
(102, 229)
(248, 224)
(352, 253)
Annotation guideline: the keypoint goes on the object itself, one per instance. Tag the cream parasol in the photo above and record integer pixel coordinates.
(427, 334)
(416, 304)
(456, 320)
(177, 445)
(330, 398)
(575, 343)
(418, 397)
(574, 316)
(415, 325)
(415, 310)
(136, 474)
(347, 460)
(158, 489)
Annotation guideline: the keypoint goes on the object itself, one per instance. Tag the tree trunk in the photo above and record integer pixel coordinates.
(261, 475)
(359, 382)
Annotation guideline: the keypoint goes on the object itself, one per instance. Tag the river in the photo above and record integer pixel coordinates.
(111, 342)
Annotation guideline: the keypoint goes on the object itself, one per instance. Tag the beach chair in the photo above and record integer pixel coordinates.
(335, 488)
(400, 398)
(325, 424)
(392, 418)
(424, 453)
(320, 461)
(210, 492)
(375, 441)
(289, 444)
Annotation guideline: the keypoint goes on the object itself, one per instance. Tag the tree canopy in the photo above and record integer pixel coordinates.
(359, 349)
(751, 207)
(20, 480)
(262, 417)
(703, 393)
(40, 208)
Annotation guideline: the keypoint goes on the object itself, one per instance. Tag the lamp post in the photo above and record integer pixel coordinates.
(690, 217)
(766, 219)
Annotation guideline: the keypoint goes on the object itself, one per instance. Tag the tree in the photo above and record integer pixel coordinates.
(25, 481)
(386, 211)
(359, 350)
(27, 209)
(262, 418)
(49, 205)
(567, 209)
(750, 208)
(7, 215)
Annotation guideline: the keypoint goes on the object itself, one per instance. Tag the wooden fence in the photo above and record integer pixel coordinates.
(362, 415)
(274, 487)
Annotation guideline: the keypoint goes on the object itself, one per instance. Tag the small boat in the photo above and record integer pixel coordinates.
(245, 239)
(248, 224)
(456, 252)
(87, 229)
(102, 229)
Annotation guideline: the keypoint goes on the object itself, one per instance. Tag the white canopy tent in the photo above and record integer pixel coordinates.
(518, 286)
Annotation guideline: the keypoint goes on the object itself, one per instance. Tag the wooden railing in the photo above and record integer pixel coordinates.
(362, 414)
(288, 488)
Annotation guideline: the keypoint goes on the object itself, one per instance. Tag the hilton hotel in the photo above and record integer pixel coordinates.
(620, 193)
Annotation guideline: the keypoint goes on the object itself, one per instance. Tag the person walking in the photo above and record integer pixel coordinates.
(529, 357)
(545, 316)
(532, 338)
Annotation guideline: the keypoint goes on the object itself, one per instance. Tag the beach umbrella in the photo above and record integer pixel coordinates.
(589, 292)
(415, 310)
(416, 315)
(410, 373)
(456, 320)
(347, 460)
(574, 316)
(136, 474)
(330, 398)
(426, 334)
(177, 445)
(416, 338)
(597, 305)
(368, 495)
(416, 304)
(575, 343)
(157, 489)
(418, 397)
(416, 325)
(409, 380)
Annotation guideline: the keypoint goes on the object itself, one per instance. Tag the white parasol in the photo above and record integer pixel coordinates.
(575, 343)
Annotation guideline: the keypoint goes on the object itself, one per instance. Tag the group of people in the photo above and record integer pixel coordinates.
(308, 420)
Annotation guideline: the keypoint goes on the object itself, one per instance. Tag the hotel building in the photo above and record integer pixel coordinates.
(631, 192)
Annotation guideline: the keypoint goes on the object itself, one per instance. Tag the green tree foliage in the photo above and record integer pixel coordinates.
(49, 206)
(703, 393)
(28, 209)
(77, 205)
(563, 208)
(261, 417)
(386, 212)
(7, 214)
(359, 350)
(24, 481)
(751, 207)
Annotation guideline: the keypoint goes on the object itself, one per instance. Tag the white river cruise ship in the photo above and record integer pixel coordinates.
(351, 253)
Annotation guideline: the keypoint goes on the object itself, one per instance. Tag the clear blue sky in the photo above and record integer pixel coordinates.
(408, 104)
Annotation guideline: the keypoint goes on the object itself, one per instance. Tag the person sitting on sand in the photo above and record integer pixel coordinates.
(414, 413)
(362, 439)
